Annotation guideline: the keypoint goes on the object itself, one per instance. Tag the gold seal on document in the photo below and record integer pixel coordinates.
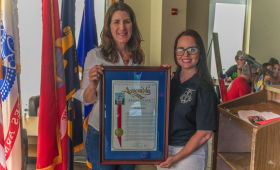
(119, 132)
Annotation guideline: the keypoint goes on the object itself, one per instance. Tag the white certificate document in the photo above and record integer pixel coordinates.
(134, 115)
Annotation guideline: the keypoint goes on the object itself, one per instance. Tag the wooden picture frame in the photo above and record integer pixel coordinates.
(134, 113)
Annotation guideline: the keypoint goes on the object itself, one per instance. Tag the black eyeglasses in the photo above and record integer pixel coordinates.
(190, 50)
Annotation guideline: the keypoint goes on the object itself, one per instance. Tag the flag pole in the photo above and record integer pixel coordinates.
(23, 133)
(70, 133)
(72, 84)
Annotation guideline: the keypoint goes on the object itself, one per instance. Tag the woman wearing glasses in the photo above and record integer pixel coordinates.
(193, 106)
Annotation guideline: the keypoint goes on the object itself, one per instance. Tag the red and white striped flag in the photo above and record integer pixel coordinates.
(8, 86)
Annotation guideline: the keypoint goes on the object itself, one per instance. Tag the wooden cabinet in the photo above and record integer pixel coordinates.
(240, 145)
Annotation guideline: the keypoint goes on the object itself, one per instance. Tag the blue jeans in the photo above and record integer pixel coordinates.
(92, 148)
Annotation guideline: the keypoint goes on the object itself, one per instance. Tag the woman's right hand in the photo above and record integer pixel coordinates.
(94, 75)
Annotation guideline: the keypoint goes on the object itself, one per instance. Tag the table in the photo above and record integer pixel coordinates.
(31, 125)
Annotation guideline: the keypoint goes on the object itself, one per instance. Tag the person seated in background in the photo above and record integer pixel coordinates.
(275, 68)
(262, 78)
(234, 71)
(240, 86)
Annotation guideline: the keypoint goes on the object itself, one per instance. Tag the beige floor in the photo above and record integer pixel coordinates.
(145, 167)
(82, 166)
(77, 166)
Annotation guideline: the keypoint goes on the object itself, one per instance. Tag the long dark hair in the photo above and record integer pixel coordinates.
(202, 70)
(273, 61)
(108, 47)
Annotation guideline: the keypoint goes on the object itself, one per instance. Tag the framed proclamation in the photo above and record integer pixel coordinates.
(134, 110)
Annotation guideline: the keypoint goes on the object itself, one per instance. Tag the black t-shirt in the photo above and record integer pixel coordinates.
(232, 72)
(188, 111)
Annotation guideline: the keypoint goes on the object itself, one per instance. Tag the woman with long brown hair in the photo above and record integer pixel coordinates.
(120, 46)
(193, 106)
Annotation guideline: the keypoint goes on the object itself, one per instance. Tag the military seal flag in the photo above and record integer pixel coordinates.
(9, 88)
(52, 153)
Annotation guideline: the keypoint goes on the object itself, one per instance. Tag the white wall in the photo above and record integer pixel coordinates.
(226, 59)
(156, 33)
(159, 28)
(172, 26)
(229, 24)
(142, 10)
(264, 31)
(198, 20)
(30, 31)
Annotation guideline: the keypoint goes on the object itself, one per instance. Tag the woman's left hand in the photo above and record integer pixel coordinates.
(168, 65)
(170, 161)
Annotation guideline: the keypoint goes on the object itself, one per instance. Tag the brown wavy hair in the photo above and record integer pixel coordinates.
(108, 46)
(202, 69)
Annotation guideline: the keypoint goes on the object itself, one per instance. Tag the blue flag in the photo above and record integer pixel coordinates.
(74, 109)
(87, 41)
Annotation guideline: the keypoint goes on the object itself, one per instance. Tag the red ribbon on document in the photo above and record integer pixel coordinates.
(119, 122)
